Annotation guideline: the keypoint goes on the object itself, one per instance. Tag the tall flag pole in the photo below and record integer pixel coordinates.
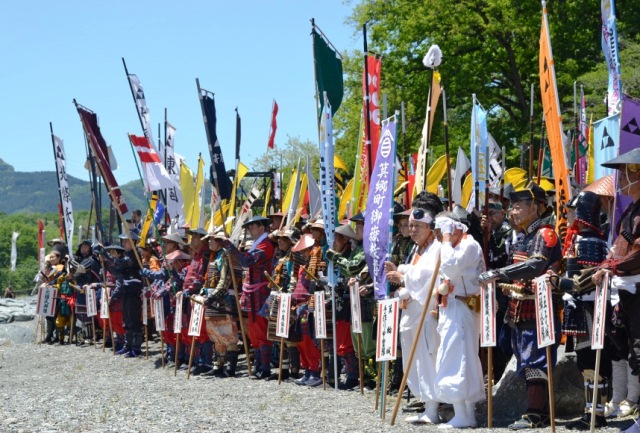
(611, 55)
(551, 110)
(447, 151)
(63, 188)
(431, 60)
(583, 127)
(328, 198)
(479, 150)
(273, 126)
(139, 99)
(531, 129)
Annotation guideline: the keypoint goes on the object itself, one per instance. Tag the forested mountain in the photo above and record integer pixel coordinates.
(37, 192)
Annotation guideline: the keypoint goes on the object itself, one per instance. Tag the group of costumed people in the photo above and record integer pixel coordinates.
(432, 247)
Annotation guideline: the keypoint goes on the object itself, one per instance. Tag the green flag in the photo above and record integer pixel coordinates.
(328, 72)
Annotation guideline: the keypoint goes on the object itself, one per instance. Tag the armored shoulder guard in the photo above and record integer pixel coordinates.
(549, 236)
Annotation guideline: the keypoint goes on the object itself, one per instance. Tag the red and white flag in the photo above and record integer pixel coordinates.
(155, 175)
(274, 126)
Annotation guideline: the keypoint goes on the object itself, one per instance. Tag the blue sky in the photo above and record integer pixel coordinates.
(247, 52)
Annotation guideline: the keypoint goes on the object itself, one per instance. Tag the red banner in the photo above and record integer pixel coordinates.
(373, 68)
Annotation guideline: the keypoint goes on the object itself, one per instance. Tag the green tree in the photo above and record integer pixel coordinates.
(490, 48)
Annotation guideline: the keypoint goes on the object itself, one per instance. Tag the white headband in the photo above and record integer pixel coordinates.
(443, 220)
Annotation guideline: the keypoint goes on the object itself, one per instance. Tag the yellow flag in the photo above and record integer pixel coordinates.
(436, 173)
(591, 169)
(290, 190)
(267, 198)
(303, 192)
(221, 213)
(148, 220)
(338, 163)
(195, 215)
(347, 196)
(241, 172)
(188, 187)
(467, 187)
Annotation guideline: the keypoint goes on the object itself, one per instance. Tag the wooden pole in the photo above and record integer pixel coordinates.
(146, 338)
(425, 309)
(237, 296)
(385, 377)
(324, 379)
(175, 367)
(360, 365)
(193, 349)
(552, 406)
(162, 348)
(281, 356)
(596, 393)
(379, 373)
(490, 387)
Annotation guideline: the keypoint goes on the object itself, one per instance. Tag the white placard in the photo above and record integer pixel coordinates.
(320, 315)
(284, 309)
(158, 312)
(92, 306)
(177, 319)
(356, 316)
(197, 314)
(145, 309)
(47, 301)
(544, 313)
(387, 337)
(488, 315)
(600, 314)
(104, 304)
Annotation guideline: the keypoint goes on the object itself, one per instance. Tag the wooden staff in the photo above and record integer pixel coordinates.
(360, 364)
(237, 296)
(193, 348)
(324, 379)
(146, 331)
(175, 366)
(72, 325)
(379, 373)
(162, 348)
(596, 394)
(405, 376)
(552, 408)
(531, 128)
(490, 387)
(447, 153)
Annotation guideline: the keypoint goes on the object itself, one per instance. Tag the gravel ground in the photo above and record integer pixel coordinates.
(81, 389)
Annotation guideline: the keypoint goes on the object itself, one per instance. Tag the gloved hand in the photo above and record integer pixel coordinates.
(332, 255)
(80, 269)
(489, 276)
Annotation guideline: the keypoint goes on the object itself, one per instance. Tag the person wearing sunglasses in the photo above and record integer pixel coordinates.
(414, 277)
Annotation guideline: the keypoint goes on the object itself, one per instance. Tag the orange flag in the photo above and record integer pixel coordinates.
(551, 109)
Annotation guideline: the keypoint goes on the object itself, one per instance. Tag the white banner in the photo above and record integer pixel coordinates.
(356, 316)
(197, 315)
(104, 304)
(141, 105)
(244, 214)
(177, 320)
(488, 315)
(65, 194)
(284, 313)
(92, 306)
(600, 314)
(387, 337)
(544, 313)
(320, 315)
(14, 250)
(47, 301)
(158, 312)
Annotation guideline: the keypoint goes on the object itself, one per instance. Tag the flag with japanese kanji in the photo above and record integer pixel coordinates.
(154, 174)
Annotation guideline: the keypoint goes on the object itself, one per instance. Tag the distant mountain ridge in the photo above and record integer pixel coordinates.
(29, 192)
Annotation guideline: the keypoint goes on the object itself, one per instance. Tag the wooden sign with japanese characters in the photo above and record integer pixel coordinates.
(387, 337)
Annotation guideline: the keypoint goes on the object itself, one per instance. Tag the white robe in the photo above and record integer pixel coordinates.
(458, 369)
(416, 286)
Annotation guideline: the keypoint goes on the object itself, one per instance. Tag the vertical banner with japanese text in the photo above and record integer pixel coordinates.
(197, 315)
(387, 337)
(379, 218)
(284, 308)
(600, 314)
(65, 195)
(356, 315)
(544, 313)
(488, 316)
(320, 315)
